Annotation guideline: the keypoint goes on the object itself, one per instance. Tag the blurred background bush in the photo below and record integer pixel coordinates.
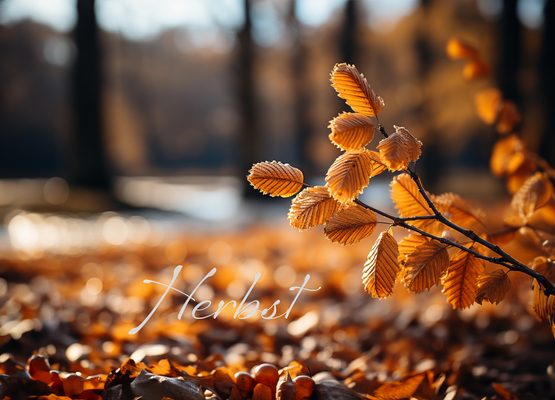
(151, 103)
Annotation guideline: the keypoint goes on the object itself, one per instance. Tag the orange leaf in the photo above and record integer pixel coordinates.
(458, 212)
(351, 131)
(476, 69)
(504, 393)
(378, 165)
(399, 149)
(504, 236)
(535, 193)
(460, 281)
(507, 156)
(276, 179)
(349, 175)
(402, 389)
(352, 86)
(544, 306)
(408, 245)
(509, 118)
(350, 225)
(458, 49)
(313, 206)
(492, 287)
(488, 104)
(381, 268)
(425, 266)
(411, 203)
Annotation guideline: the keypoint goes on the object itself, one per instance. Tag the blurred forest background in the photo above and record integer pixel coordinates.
(103, 96)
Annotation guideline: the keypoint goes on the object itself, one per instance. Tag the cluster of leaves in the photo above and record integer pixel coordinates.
(208, 381)
(529, 179)
(437, 223)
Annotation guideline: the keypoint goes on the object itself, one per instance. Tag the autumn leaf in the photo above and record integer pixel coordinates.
(507, 156)
(313, 206)
(410, 202)
(532, 195)
(351, 224)
(349, 175)
(276, 179)
(492, 287)
(352, 86)
(544, 306)
(378, 165)
(402, 389)
(503, 236)
(381, 268)
(351, 131)
(509, 118)
(399, 149)
(460, 282)
(476, 69)
(457, 211)
(459, 49)
(488, 104)
(425, 266)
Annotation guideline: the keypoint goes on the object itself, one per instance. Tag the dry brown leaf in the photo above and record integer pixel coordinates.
(355, 90)
(402, 389)
(457, 211)
(544, 306)
(351, 131)
(351, 224)
(313, 206)
(409, 244)
(381, 268)
(349, 175)
(503, 236)
(535, 193)
(276, 179)
(476, 69)
(504, 393)
(488, 104)
(399, 149)
(459, 49)
(507, 156)
(492, 287)
(425, 266)
(462, 276)
(509, 118)
(549, 247)
(411, 203)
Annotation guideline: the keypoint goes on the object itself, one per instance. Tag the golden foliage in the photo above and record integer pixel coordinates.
(492, 287)
(276, 179)
(355, 90)
(313, 206)
(488, 103)
(509, 118)
(459, 49)
(351, 224)
(410, 202)
(399, 149)
(349, 175)
(533, 194)
(507, 156)
(457, 211)
(381, 268)
(425, 266)
(475, 69)
(351, 131)
(544, 306)
(378, 165)
(460, 282)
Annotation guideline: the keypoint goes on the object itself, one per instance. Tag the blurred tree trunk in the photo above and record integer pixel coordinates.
(510, 37)
(250, 141)
(349, 42)
(547, 82)
(301, 93)
(88, 158)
